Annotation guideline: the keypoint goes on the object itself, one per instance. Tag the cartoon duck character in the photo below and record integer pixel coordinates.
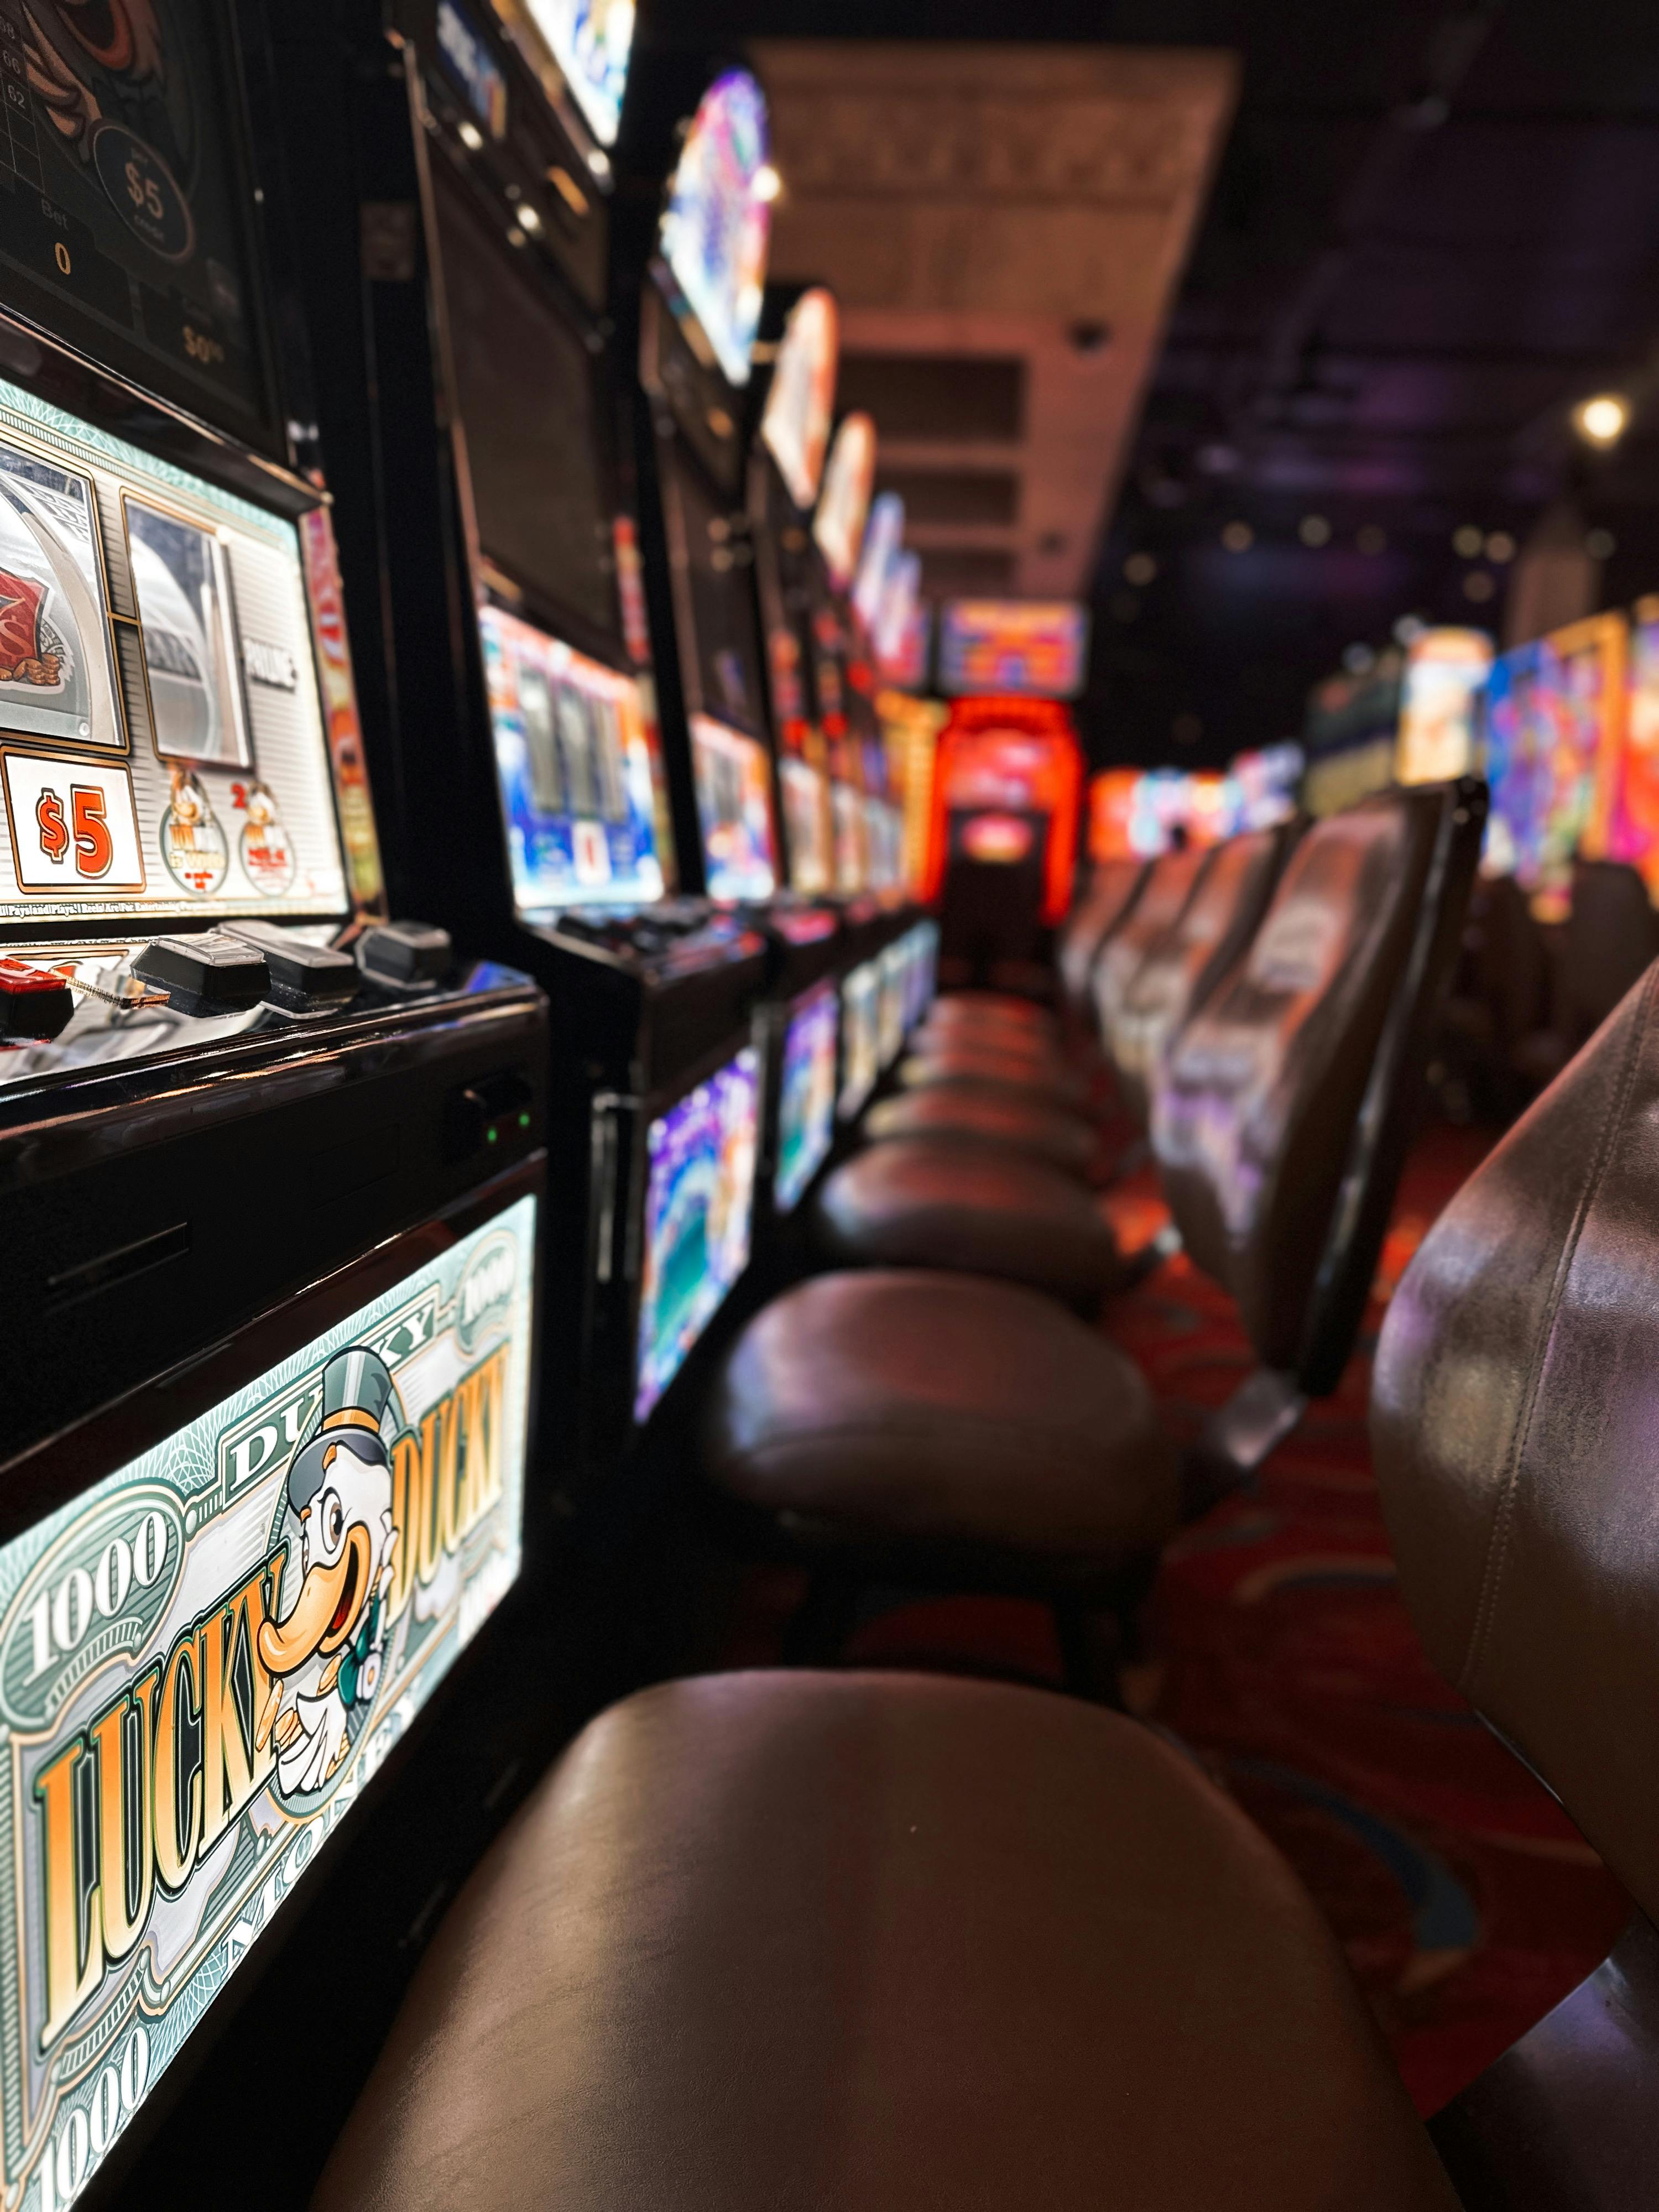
(324, 1657)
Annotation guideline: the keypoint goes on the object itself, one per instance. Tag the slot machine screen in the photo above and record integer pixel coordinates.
(1446, 672)
(1555, 712)
(926, 969)
(699, 1204)
(124, 216)
(162, 749)
(536, 444)
(806, 792)
(735, 812)
(1633, 829)
(861, 1037)
(890, 1003)
(806, 1101)
(847, 824)
(578, 768)
(175, 1640)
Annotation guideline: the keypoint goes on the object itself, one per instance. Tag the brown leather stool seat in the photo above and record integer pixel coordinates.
(1034, 1075)
(921, 1202)
(873, 1943)
(983, 1114)
(875, 1412)
(993, 1006)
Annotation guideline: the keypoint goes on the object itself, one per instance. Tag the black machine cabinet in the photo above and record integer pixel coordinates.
(272, 1165)
(476, 402)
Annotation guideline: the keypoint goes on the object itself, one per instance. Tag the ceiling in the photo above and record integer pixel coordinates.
(1434, 227)
(1005, 228)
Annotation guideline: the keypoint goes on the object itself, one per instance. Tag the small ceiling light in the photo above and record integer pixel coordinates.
(1468, 542)
(529, 219)
(768, 183)
(1602, 421)
(1408, 629)
(1601, 544)
(1500, 546)
(1372, 540)
(1478, 585)
(1313, 530)
(598, 162)
(471, 136)
(1238, 537)
(1140, 569)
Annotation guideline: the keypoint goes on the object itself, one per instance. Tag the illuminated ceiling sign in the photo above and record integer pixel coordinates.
(1031, 648)
(718, 225)
(795, 427)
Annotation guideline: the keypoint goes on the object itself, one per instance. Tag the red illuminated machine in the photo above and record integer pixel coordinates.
(1003, 843)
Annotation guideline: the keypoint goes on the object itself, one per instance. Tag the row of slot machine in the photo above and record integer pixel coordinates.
(389, 527)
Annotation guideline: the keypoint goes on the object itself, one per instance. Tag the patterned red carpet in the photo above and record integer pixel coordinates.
(1280, 1651)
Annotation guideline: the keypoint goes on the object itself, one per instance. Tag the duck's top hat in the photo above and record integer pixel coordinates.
(357, 1388)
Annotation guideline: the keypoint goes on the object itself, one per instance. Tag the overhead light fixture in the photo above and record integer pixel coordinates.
(1468, 542)
(470, 136)
(1238, 537)
(768, 183)
(1602, 421)
(529, 219)
(1478, 585)
(1500, 546)
(1313, 530)
(1140, 567)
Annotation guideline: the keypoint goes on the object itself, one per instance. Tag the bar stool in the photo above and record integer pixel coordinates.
(1280, 1120)
(882, 1941)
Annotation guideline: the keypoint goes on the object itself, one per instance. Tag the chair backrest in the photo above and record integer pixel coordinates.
(1281, 1114)
(1516, 1445)
(1112, 890)
(1174, 878)
(1180, 971)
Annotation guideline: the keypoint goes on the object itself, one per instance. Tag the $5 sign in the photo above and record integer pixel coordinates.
(87, 826)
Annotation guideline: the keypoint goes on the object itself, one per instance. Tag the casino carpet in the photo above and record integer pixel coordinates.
(1280, 1651)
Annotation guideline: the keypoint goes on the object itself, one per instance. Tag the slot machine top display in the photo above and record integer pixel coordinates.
(710, 273)
(186, 822)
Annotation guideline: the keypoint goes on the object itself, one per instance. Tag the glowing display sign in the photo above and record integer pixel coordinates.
(795, 427)
(577, 768)
(699, 1206)
(718, 225)
(591, 41)
(848, 480)
(162, 748)
(1446, 670)
(215, 1647)
(806, 1101)
(1028, 648)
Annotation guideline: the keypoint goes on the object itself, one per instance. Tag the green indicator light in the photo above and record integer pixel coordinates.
(524, 1120)
(490, 1136)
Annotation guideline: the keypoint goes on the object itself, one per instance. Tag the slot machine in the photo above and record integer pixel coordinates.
(272, 1163)
(461, 160)
(705, 526)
